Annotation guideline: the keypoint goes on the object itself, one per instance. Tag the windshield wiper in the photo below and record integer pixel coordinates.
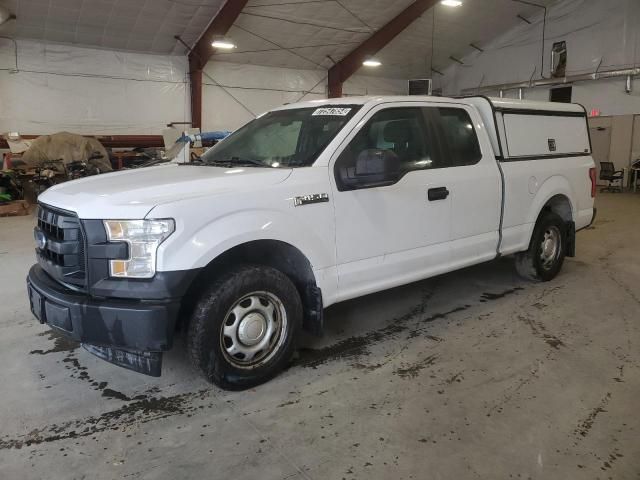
(196, 160)
(237, 161)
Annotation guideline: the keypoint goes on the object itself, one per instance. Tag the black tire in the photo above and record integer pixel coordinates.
(534, 264)
(211, 348)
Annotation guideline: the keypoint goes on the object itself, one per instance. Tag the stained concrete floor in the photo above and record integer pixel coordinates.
(475, 374)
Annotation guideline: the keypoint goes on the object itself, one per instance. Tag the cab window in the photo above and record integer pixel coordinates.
(392, 143)
(459, 138)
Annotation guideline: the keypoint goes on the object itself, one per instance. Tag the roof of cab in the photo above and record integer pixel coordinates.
(513, 104)
(499, 103)
(369, 100)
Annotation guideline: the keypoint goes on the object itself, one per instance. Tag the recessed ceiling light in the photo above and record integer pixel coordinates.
(371, 62)
(451, 3)
(223, 44)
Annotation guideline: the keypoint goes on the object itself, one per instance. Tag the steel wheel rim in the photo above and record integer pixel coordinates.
(253, 330)
(550, 247)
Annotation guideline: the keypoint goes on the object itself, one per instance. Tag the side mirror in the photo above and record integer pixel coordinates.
(373, 167)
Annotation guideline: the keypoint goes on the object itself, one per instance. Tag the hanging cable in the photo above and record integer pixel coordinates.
(288, 3)
(95, 75)
(215, 82)
(338, 2)
(309, 24)
(312, 88)
(354, 15)
(280, 46)
(279, 49)
(218, 84)
(544, 28)
(433, 36)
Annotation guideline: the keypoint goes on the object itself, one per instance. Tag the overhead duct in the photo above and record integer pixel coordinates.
(549, 82)
(420, 86)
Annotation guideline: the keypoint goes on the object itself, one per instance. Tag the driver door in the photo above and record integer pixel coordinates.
(392, 226)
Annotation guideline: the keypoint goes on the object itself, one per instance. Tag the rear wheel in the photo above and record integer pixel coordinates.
(545, 256)
(244, 327)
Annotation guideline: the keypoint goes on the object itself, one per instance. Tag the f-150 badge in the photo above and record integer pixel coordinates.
(312, 198)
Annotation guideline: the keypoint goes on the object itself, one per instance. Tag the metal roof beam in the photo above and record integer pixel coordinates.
(219, 26)
(201, 52)
(350, 64)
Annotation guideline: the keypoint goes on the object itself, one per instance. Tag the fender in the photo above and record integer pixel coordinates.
(196, 249)
(192, 249)
(552, 186)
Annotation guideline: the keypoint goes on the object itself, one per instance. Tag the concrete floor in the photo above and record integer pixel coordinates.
(475, 374)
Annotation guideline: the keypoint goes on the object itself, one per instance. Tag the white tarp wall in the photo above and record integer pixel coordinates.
(596, 32)
(85, 90)
(235, 93)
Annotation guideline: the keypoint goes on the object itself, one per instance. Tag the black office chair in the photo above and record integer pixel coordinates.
(611, 175)
(635, 174)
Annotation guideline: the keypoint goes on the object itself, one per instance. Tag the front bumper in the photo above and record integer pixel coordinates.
(129, 333)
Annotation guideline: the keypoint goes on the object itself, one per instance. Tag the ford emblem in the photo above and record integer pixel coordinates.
(41, 239)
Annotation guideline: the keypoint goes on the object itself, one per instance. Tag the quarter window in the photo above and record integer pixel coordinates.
(460, 139)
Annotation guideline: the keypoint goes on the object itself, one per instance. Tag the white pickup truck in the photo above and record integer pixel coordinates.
(307, 205)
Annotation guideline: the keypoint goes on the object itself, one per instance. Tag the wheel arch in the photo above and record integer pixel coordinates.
(554, 194)
(560, 204)
(270, 253)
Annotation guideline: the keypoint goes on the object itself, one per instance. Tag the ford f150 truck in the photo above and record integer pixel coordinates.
(307, 205)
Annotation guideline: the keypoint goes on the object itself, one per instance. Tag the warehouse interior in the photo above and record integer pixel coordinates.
(475, 373)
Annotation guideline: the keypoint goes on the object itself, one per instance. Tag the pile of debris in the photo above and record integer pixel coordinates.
(35, 165)
(68, 149)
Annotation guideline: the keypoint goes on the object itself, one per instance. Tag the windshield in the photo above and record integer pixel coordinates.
(284, 138)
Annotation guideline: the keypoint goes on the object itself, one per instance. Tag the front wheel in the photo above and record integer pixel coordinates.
(244, 327)
(545, 256)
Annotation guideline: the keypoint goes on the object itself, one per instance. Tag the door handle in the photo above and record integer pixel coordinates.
(438, 193)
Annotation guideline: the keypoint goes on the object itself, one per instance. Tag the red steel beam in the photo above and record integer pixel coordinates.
(219, 26)
(350, 64)
(112, 141)
(130, 141)
(202, 51)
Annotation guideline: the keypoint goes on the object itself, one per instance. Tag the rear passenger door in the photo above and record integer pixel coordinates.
(474, 183)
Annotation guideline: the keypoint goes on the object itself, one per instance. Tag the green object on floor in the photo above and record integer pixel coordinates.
(5, 197)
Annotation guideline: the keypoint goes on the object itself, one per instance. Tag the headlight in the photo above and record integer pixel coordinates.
(143, 237)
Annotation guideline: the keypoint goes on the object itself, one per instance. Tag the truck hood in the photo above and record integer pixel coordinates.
(133, 193)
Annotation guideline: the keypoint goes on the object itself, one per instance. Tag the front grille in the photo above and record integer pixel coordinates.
(63, 255)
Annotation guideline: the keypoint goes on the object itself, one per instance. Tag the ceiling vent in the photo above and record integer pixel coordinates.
(420, 86)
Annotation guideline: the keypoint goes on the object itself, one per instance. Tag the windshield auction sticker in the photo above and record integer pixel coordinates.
(340, 112)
